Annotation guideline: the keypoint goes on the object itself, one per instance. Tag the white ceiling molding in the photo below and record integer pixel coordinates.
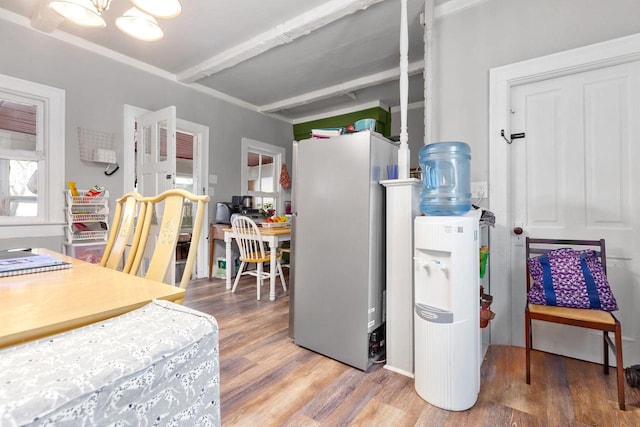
(342, 88)
(284, 33)
(453, 6)
(108, 53)
(42, 21)
(87, 45)
(45, 19)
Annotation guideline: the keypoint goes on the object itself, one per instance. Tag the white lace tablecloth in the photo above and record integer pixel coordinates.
(155, 366)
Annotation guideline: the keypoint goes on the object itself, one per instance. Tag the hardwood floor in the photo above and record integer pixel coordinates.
(267, 380)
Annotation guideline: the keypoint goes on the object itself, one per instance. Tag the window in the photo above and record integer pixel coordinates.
(261, 164)
(31, 159)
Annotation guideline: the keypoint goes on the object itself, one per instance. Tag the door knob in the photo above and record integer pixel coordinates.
(518, 230)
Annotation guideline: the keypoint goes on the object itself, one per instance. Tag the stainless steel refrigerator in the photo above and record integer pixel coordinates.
(338, 244)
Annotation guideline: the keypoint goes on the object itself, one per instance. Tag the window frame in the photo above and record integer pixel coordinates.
(278, 154)
(50, 125)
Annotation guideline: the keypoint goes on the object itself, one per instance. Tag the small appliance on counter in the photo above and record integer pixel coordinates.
(224, 211)
(247, 202)
(236, 201)
(240, 205)
(254, 214)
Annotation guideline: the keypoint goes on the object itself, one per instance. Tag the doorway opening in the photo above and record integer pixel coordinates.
(191, 165)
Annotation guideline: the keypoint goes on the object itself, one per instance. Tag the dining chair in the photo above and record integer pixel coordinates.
(166, 210)
(596, 319)
(252, 251)
(288, 252)
(120, 234)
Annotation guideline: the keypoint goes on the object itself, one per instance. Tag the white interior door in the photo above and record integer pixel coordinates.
(156, 155)
(573, 176)
(156, 166)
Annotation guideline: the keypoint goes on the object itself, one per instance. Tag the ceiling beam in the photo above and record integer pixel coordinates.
(284, 33)
(344, 88)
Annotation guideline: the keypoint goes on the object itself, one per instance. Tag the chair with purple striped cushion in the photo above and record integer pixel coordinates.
(552, 307)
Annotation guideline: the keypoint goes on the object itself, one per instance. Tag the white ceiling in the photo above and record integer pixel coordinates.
(291, 58)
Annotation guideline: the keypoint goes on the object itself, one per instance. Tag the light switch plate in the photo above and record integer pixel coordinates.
(213, 179)
(479, 190)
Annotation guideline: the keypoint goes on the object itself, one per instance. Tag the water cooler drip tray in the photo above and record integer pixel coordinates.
(433, 314)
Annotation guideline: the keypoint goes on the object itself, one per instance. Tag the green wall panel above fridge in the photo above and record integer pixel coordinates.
(382, 117)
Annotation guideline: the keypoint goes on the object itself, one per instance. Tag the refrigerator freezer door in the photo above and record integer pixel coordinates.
(338, 241)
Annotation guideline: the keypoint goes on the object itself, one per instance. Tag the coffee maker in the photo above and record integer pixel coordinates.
(244, 205)
(247, 203)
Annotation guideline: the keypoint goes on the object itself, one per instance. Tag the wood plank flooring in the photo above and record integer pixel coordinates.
(267, 380)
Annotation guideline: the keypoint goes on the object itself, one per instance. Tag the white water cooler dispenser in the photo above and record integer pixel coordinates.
(447, 341)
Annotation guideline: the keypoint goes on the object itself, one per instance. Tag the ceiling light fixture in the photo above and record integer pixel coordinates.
(137, 23)
(87, 13)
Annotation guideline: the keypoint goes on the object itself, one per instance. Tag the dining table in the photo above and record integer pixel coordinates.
(273, 236)
(37, 305)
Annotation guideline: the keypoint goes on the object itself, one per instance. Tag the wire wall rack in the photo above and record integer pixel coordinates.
(97, 146)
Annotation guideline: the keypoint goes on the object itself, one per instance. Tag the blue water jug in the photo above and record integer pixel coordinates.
(446, 178)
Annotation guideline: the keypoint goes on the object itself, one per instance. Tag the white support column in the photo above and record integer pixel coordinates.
(403, 205)
(428, 71)
(403, 152)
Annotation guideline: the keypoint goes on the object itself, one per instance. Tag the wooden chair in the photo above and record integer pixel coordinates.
(286, 251)
(600, 320)
(252, 251)
(120, 234)
(167, 208)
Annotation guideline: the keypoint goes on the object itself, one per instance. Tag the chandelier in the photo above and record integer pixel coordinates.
(138, 22)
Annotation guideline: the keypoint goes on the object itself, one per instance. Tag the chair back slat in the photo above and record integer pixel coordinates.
(120, 235)
(169, 207)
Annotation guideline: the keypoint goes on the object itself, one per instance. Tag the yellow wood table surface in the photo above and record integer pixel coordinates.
(40, 304)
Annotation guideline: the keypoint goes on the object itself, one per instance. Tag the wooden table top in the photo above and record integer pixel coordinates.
(40, 304)
(272, 231)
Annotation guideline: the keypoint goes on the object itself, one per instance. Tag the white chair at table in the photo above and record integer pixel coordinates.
(251, 246)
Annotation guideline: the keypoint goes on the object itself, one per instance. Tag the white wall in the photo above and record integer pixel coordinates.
(493, 33)
(499, 32)
(97, 89)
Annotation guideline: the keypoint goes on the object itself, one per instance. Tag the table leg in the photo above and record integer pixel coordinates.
(273, 271)
(229, 268)
(211, 252)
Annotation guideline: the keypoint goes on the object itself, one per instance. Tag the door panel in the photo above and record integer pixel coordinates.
(156, 167)
(572, 177)
(607, 147)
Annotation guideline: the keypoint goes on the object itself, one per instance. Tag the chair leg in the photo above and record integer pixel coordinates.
(258, 279)
(280, 272)
(605, 349)
(527, 346)
(619, 366)
(240, 270)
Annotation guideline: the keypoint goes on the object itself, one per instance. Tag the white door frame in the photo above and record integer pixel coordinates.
(201, 169)
(501, 80)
